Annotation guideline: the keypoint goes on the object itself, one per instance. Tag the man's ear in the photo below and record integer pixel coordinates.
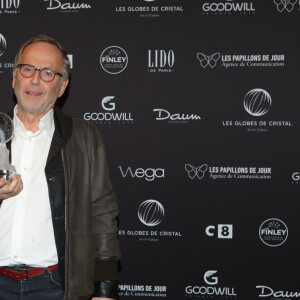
(63, 87)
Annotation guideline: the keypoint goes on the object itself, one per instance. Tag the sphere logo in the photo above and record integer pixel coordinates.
(257, 102)
(151, 212)
(2, 44)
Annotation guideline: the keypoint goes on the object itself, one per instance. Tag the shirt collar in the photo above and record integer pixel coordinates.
(46, 123)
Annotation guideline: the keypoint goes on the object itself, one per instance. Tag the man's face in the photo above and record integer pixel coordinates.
(33, 94)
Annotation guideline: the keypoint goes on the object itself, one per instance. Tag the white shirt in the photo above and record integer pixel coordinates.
(26, 230)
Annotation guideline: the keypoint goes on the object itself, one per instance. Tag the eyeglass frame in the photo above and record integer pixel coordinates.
(36, 69)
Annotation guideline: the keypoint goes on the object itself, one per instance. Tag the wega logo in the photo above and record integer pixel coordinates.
(148, 174)
(257, 102)
(2, 44)
(285, 5)
(209, 279)
(206, 60)
(66, 6)
(151, 212)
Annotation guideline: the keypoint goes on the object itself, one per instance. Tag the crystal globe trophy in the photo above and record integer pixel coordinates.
(6, 132)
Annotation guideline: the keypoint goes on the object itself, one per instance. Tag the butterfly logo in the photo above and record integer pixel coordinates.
(206, 60)
(196, 171)
(285, 5)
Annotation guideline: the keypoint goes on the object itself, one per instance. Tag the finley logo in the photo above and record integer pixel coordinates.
(198, 172)
(285, 5)
(257, 102)
(113, 60)
(151, 212)
(206, 60)
(209, 279)
(2, 44)
(273, 232)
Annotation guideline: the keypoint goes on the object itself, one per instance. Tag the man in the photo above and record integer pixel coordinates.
(58, 228)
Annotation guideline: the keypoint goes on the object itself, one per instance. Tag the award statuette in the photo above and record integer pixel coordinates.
(6, 132)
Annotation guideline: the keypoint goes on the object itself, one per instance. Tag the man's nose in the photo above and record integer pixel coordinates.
(35, 79)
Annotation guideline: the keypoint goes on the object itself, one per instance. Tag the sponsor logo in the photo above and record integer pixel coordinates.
(210, 279)
(265, 291)
(142, 290)
(9, 6)
(257, 102)
(149, 174)
(212, 290)
(206, 60)
(229, 61)
(2, 44)
(296, 177)
(148, 10)
(113, 60)
(227, 173)
(151, 212)
(223, 231)
(273, 232)
(285, 5)
(161, 61)
(227, 7)
(70, 56)
(66, 7)
(163, 115)
(108, 115)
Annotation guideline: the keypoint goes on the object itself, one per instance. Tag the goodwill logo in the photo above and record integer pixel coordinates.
(227, 173)
(161, 61)
(212, 60)
(210, 288)
(150, 213)
(273, 232)
(266, 291)
(113, 60)
(108, 115)
(9, 6)
(296, 177)
(67, 7)
(142, 290)
(257, 103)
(227, 7)
(285, 5)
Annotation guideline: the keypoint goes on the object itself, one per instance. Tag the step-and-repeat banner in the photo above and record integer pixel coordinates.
(198, 101)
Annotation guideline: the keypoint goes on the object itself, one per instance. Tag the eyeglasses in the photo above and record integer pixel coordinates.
(46, 74)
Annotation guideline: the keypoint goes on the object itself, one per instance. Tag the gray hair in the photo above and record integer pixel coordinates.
(46, 39)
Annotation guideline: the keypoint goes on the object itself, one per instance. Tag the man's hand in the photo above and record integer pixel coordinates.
(11, 189)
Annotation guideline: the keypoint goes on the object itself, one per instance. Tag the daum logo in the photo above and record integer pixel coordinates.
(206, 60)
(265, 291)
(2, 44)
(106, 104)
(57, 4)
(257, 102)
(285, 5)
(151, 212)
(210, 279)
(273, 232)
(198, 172)
(113, 60)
